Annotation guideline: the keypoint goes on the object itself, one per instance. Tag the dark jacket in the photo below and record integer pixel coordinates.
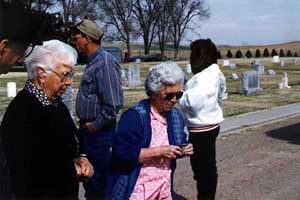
(40, 146)
(133, 134)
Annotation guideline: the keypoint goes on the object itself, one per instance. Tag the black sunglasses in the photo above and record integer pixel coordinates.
(171, 95)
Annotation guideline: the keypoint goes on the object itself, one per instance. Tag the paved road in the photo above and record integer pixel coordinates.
(260, 163)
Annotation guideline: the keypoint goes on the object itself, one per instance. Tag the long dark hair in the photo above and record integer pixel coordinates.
(203, 53)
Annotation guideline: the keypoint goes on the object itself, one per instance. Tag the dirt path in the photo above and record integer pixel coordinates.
(261, 163)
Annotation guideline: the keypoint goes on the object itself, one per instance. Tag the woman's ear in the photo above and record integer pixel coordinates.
(3, 44)
(40, 74)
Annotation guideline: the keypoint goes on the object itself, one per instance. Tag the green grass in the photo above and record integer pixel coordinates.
(234, 105)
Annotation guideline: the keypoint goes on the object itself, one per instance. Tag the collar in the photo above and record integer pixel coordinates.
(157, 116)
(94, 55)
(39, 94)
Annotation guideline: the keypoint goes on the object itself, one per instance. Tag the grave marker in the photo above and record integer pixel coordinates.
(250, 83)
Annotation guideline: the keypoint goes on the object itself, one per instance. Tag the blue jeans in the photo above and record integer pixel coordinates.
(97, 147)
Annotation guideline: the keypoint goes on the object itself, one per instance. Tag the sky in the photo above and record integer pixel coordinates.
(251, 22)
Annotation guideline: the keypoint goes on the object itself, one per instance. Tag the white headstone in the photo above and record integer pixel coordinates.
(231, 66)
(276, 59)
(295, 61)
(284, 82)
(132, 77)
(188, 69)
(137, 61)
(226, 62)
(11, 89)
(260, 68)
(282, 63)
(271, 72)
(234, 76)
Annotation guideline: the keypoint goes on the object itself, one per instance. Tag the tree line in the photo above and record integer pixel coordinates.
(163, 22)
(258, 54)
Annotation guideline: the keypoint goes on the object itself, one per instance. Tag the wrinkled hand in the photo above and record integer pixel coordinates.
(84, 169)
(89, 126)
(170, 151)
(188, 150)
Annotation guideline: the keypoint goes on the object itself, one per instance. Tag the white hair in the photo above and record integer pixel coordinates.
(48, 55)
(166, 73)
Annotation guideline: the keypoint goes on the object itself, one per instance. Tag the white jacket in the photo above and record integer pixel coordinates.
(202, 98)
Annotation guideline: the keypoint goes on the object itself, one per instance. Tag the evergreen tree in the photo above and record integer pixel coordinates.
(281, 53)
(266, 53)
(229, 54)
(238, 54)
(289, 53)
(248, 54)
(257, 53)
(274, 53)
(295, 54)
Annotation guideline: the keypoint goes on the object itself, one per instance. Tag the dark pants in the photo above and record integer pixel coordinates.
(97, 146)
(203, 162)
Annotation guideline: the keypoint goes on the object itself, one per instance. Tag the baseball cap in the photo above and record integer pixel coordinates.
(90, 29)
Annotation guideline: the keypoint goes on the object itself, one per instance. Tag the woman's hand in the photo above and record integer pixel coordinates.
(84, 169)
(188, 150)
(89, 126)
(170, 151)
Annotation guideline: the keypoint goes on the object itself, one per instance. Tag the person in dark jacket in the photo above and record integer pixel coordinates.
(148, 140)
(37, 132)
(99, 99)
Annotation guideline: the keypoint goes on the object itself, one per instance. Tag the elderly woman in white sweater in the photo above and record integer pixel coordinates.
(201, 106)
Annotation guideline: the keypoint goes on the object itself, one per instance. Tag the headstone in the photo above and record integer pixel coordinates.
(67, 99)
(188, 69)
(256, 62)
(234, 76)
(260, 68)
(282, 63)
(225, 96)
(231, 66)
(284, 82)
(115, 51)
(11, 89)
(295, 61)
(137, 61)
(271, 72)
(226, 63)
(250, 83)
(131, 76)
(276, 59)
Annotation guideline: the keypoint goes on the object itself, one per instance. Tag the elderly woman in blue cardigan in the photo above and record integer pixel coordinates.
(149, 138)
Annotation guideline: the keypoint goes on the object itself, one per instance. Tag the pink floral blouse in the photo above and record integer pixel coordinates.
(154, 181)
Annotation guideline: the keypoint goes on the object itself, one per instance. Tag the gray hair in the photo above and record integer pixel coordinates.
(166, 73)
(48, 55)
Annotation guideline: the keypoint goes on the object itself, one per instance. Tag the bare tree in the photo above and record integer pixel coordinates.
(184, 11)
(146, 13)
(163, 26)
(36, 5)
(74, 10)
(118, 19)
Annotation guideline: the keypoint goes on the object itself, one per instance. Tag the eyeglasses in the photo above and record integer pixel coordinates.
(171, 95)
(65, 76)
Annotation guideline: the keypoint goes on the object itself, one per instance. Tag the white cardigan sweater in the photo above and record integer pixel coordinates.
(202, 98)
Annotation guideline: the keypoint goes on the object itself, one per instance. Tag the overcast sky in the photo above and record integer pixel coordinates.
(251, 22)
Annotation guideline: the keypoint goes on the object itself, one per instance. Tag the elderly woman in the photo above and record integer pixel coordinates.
(148, 139)
(38, 133)
(201, 106)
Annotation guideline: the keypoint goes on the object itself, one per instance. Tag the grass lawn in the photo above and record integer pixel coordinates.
(234, 105)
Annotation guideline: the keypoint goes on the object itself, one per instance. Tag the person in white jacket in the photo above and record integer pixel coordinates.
(201, 107)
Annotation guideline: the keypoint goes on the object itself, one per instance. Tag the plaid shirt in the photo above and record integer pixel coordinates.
(100, 94)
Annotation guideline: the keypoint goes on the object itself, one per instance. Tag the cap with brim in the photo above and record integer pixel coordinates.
(90, 29)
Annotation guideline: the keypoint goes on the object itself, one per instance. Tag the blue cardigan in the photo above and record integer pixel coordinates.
(133, 134)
